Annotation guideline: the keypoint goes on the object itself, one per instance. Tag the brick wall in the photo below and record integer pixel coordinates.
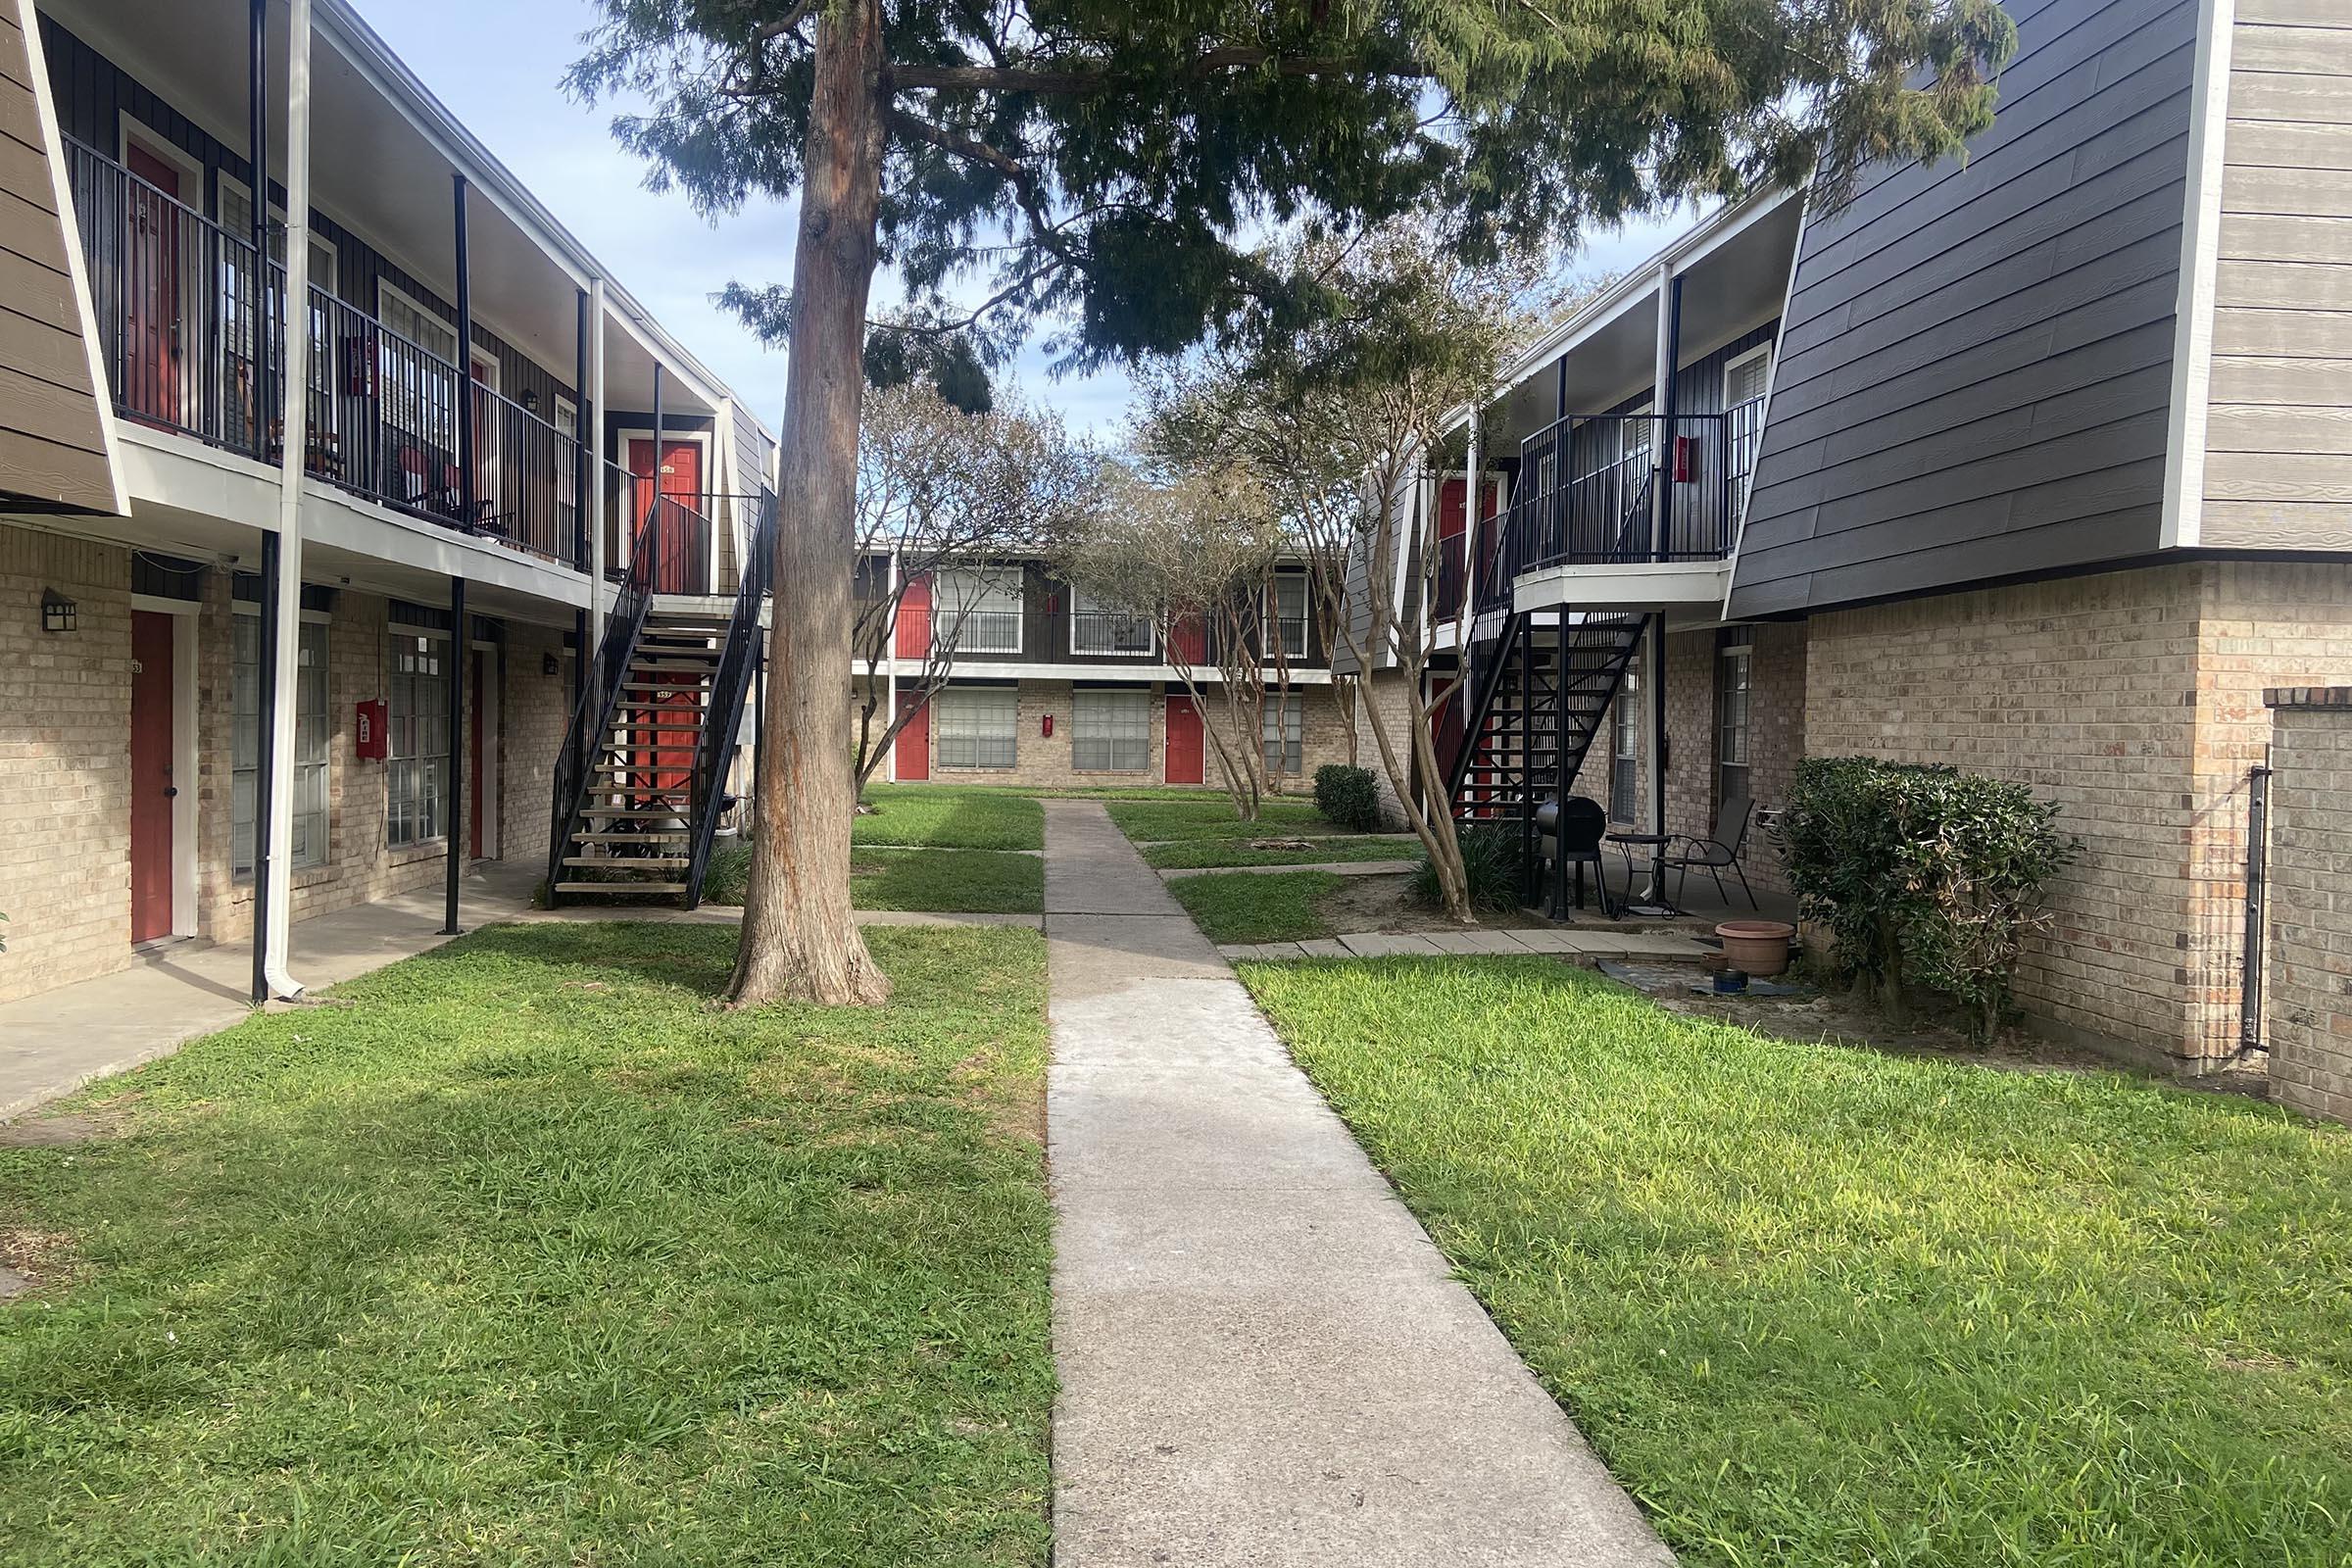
(2307, 1005)
(2132, 700)
(1393, 696)
(65, 763)
(1044, 761)
(534, 711)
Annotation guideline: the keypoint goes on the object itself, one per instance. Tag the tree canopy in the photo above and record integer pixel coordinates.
(1108, 164)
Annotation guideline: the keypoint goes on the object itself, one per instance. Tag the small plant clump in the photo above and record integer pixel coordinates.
(1491, 863)
(1923, 874)
(1346, 796)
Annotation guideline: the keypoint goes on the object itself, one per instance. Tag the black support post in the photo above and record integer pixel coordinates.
(1661, 487)
(1659, 761)
(257, 144)
(469, 504)
(1528, 839)
(265, 769)
(460, 657)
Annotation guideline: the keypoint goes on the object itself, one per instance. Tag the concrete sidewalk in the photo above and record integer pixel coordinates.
(1263, 1358)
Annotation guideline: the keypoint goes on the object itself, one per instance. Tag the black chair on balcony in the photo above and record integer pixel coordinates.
(1716, 854)
(1569, 834)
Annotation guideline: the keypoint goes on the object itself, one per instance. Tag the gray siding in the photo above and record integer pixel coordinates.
(2278, 432)
(1976, 374)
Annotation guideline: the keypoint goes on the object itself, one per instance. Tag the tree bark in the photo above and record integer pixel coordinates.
(801, 941)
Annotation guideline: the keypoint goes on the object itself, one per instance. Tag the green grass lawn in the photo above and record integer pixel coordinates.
(949, 881)
(1251, 907)
(945, 816)
(1189, 853)
(1159, 821)
(526, 1255)
(1816, 1305)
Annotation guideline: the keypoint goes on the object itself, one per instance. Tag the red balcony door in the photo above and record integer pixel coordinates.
(914, 619)
(913, 748)
(151, 289)
(1185, 743)
(675, 543)
(151, 785)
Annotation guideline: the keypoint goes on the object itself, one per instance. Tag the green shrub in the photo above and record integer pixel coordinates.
(1922, 873)
(1491, 854)
(728, 876)
(1346, 796)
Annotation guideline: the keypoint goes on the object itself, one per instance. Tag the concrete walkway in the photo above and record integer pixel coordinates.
(1513, 942)
(1335, 867)
(1264, 1360)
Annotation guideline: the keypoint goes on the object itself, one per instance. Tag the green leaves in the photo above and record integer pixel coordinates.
(1110, 165)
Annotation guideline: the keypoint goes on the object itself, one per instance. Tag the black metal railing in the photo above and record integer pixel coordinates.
(714, 750)
(599, 703)
(1453, 575)
(179, 304)
(684, 535)
(972, 632)
(191, 329)
(1112, 632)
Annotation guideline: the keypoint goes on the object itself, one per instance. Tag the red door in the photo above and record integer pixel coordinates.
(914, 619)
(914, 748)
(1184, 741)
(679, 549)
(476, 780)
(151, 288)
(151, 788)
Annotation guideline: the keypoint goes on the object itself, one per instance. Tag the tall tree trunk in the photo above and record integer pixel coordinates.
(800, 938)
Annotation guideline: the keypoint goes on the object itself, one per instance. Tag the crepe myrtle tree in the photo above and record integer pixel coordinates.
(1102, 165)
(1345, 420)
(939, 485)
(1193, 550)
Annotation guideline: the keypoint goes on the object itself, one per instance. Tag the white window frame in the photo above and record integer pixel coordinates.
(1282, 623)
(1129, 712)
(407, 410)
(1285, 716)
(1743, 655)
(1744, 451)
(313, 774)
(1625, 748)
(1079, 609)
(955, 612)
(943, 714)
(395, 634)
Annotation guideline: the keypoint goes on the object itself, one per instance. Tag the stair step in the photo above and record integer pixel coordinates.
(614, 813)
(624, 862)
(620, 887)
(633, 838)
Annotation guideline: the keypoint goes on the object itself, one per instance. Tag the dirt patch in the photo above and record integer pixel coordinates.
(1385, 903)
(31, 1259)
(58, 1132)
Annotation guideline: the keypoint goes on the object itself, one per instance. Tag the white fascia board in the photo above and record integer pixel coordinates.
(989, 671)
(2182, 517)
(1641, 585)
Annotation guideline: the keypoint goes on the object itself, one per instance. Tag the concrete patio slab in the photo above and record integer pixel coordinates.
(1324, 948)
(1335, 867)
(1264, 1361)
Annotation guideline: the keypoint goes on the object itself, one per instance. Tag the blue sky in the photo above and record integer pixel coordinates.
(498, 63)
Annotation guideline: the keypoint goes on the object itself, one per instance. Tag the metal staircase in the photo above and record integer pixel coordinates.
(641, 783)
(1540, 692)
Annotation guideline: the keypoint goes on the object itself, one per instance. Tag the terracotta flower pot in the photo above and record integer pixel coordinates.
(1760, 947)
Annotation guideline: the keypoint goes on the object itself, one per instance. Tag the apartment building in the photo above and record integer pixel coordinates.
(294, 603)
(1045, 685)
(2036, 462)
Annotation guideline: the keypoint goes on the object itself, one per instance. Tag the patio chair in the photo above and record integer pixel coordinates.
(1714, 853)
(1571, 832)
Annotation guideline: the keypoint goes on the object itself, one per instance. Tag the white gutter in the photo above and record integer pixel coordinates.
(294, 446)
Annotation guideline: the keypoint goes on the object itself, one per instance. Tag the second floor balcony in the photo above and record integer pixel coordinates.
(192, 332)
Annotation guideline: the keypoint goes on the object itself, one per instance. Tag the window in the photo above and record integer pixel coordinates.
(1110, 732)
(568, 471)
(245, 743)
(977, 726)
(1743, 383)
(1290, 612)
(1100, 629)
(417, 733)
(1733, 670)
(417, 369)
(1625, 752)
(1282, 731)
(978, 610)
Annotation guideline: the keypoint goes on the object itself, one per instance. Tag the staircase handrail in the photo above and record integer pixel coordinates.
(593, 713)
(722, 721)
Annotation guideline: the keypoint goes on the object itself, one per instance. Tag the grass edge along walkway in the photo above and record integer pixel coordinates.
(1815, 1304)
(521, 1251)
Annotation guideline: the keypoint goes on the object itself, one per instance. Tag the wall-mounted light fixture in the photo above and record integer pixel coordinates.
(530, 400)
(58, 612)
(548, 664)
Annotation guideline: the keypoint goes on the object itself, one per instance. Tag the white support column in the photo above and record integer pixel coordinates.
(596, 469)
(294, 382)
(890, 662)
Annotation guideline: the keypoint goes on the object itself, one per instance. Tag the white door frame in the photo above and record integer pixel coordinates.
(621, 438)
(493, 775)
